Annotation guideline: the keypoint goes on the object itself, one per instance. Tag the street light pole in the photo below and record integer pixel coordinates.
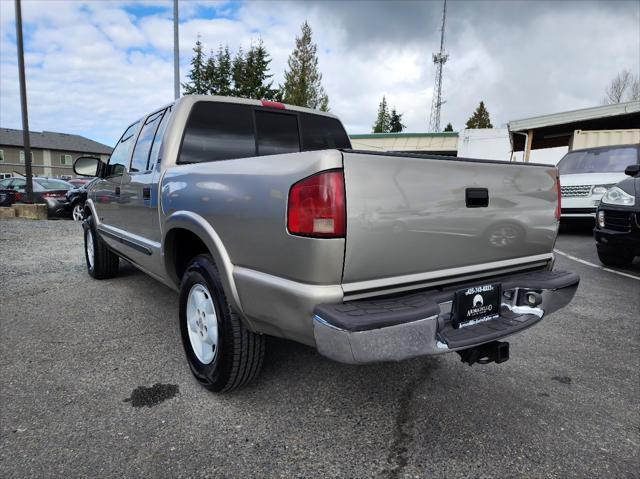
(23, 104)
(176, 53)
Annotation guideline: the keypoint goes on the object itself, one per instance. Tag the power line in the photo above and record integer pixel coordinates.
(439, 59)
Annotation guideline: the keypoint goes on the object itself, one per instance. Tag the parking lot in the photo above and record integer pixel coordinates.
(93, 383)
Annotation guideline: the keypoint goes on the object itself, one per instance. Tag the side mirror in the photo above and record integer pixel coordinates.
(88, 166)
(632, 170)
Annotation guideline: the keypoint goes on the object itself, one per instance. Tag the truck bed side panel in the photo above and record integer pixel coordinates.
(245, 201)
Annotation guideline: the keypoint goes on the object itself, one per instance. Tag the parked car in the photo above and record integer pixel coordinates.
(617, 230)
(76, 198)
(50, 191)
(7, 195)
(261, 216)
(585, 175)
(78, 182)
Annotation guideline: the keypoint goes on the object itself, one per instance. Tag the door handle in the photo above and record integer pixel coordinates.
(117, 191)
(146, 193)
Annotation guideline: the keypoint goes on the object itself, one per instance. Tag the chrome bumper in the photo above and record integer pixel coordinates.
(424, 336)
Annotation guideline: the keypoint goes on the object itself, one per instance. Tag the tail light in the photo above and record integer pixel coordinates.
(559, 206)
(317, 206)
(17, 196)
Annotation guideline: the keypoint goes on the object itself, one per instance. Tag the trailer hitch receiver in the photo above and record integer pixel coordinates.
(493, 352)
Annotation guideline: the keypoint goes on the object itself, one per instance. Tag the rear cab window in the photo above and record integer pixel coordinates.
(218, 131)
(277, 133)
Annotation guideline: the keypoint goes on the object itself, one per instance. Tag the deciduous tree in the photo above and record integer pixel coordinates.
(624, 87)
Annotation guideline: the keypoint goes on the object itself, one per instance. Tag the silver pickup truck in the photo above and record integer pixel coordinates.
(268, 224)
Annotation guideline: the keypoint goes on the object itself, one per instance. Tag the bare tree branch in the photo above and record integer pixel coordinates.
(624, 87)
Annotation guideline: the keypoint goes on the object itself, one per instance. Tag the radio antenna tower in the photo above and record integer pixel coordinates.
(439, 59)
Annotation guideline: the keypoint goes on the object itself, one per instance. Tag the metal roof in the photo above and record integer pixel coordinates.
(573, 116)
(367, 136)
(50, 140)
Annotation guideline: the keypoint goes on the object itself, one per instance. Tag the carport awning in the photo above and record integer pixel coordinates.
(548, 131)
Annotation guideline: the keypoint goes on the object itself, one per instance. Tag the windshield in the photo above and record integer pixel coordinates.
(602, 160)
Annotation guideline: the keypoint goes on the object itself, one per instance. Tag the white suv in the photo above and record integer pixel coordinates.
(585, 176)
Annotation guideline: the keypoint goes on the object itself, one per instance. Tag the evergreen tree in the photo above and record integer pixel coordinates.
(449, 127)
(256, 73)
(303, 81)
(480, 118)
(197, 84)
(238, 68)
(222, 75)
(383, 119)
(209, 73)
(395, 121)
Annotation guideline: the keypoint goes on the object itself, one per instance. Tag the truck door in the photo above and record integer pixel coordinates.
(106, 193)
(138, 216)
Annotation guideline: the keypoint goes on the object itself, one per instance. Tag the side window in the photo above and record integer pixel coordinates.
(218, 131)
(143, 145)
(322, 133)
(277, 133)
(120, 155)
(4, 184)
(157, 141)
(20, 185)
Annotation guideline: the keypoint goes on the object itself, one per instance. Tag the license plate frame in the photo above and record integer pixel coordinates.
(476, 304)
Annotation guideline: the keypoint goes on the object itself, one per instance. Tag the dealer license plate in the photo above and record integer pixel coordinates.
(476, 304)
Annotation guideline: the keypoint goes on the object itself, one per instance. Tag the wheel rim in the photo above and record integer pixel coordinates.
(202, 324)
(77, 213)
(89, 248)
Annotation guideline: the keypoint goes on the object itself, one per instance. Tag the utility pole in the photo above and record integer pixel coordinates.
(439, 59)
(176, 53)
(23, 104)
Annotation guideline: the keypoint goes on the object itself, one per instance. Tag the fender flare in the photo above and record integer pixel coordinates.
(197, 225)
(88, 205)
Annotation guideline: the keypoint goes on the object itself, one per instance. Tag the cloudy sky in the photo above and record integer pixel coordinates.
(93, 67)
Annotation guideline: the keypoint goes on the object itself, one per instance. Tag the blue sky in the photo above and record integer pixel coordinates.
(94, 67)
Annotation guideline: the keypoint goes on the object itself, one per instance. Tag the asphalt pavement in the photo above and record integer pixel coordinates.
(93, 383)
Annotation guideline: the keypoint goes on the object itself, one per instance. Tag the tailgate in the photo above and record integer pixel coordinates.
(408, 219)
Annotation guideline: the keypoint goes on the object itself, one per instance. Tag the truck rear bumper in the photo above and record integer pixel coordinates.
(420, 323)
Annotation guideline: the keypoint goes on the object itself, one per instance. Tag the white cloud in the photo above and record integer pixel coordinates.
(95, 67)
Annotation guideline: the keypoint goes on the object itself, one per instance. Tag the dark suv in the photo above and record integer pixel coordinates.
(617, 230)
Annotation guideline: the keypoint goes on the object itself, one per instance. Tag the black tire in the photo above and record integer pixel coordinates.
(105, 262)
(240, 352)
(617, 258)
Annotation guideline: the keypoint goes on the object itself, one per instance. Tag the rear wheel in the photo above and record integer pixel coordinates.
(610, 257)
(222, 353)
(102, 263)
